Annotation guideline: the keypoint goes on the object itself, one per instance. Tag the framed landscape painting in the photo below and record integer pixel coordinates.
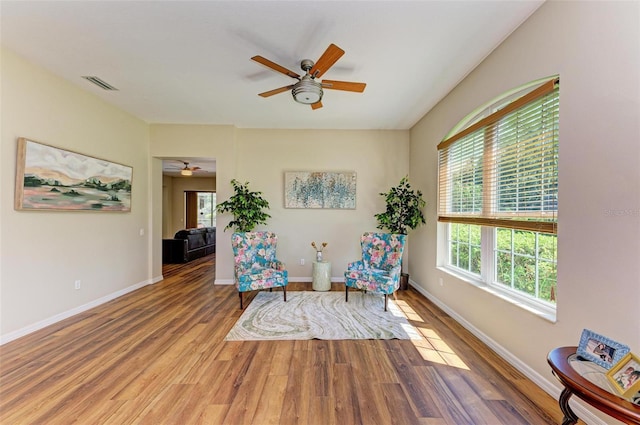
(50, 178)
(320, 189)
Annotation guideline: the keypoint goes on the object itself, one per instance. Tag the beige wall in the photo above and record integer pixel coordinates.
(595, 47)
(193, 141)
(174, 204)
(43, 253)
(380, 159)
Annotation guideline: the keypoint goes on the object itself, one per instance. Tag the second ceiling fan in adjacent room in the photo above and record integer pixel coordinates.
(187, 171)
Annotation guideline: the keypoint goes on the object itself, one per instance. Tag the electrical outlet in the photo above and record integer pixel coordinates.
(302, 261)
(78, 284)
(440, 282)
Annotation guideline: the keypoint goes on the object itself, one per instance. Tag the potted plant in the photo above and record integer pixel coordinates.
(246, 206)
(403, 213)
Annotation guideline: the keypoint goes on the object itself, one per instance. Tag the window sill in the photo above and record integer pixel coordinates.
(531, 307)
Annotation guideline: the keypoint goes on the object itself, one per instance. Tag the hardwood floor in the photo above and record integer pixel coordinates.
(158, 356)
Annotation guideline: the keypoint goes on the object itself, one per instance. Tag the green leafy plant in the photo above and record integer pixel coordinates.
(404, 209)
(246, 206)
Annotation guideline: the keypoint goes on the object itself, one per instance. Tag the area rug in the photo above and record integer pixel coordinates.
(320, 315)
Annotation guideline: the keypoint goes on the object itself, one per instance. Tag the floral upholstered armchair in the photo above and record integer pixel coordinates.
(256, 266)
(380, 267)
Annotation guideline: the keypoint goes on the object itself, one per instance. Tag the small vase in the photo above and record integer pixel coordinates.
(318, 256)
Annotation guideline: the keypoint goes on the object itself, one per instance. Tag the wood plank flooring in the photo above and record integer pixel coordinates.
(158, 356)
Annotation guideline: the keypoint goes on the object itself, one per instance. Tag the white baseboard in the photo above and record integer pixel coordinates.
(549, 387)
(65, 315)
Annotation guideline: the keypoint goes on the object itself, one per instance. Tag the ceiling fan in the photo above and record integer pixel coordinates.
(308, 89)
(188, 171)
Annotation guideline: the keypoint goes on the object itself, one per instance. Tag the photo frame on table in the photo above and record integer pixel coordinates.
(601, 350)
(51, 178)
(625, 375)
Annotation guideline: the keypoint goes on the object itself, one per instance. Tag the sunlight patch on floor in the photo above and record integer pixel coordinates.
(428, 343)
(409, 312)
(432, 348)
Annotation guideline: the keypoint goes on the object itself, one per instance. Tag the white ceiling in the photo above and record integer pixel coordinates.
(189, 61)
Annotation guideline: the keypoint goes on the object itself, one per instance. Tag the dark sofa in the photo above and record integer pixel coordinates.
(189, 244)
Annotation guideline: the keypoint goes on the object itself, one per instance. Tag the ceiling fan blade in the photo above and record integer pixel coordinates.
(275, 66)
(343, 85)
(316, 105)
(326, 61)
(276, 91)
(195, 168)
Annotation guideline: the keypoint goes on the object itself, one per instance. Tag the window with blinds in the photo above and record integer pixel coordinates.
(502, 171)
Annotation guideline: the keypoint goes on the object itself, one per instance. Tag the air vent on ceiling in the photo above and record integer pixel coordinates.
(98, 82)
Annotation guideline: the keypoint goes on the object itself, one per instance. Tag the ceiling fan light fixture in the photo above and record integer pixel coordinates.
(186, 172)
(307, 91)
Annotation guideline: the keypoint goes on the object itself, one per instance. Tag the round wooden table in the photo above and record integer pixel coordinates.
(560, 360)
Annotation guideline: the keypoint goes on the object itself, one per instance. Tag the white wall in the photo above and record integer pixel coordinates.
(595, 47)
(44, 252)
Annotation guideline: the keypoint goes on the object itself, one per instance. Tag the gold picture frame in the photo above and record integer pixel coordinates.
(55, 179)
(625, 375)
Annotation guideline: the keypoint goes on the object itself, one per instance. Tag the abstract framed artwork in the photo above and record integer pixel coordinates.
(320, 189)
(600, 350)
(50, 178)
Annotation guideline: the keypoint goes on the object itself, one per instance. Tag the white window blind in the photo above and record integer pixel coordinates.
(503, 170)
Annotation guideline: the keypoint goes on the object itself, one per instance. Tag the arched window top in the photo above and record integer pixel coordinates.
(496, 104)
(500, 167)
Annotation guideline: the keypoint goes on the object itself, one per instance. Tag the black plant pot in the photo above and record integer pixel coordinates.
(404, 281)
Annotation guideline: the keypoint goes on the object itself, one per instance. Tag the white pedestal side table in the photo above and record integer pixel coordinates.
(321, 275)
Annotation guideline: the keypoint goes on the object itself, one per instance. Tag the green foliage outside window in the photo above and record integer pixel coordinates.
(465, 247)
(516, 254)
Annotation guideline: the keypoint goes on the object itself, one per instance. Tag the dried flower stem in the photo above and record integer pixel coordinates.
(324, 244)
